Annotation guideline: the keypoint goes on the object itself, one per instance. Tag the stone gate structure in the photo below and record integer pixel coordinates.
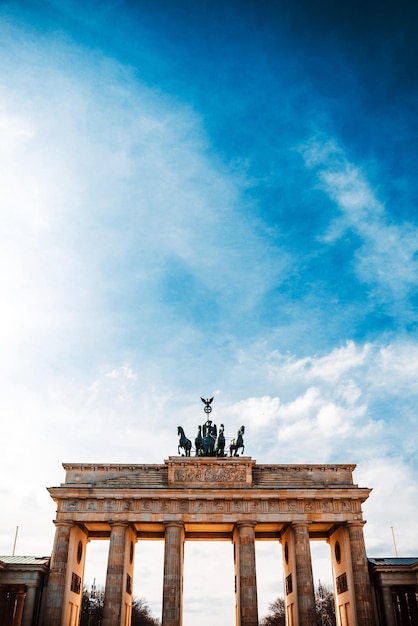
(197, 498)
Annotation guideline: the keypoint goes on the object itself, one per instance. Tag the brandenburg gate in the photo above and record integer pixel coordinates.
(203, 498)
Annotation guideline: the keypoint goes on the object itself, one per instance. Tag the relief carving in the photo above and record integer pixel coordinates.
(75, 583)
(209, 474)
(292, 506)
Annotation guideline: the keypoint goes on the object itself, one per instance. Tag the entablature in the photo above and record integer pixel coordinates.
(202, 492)
(198, 472)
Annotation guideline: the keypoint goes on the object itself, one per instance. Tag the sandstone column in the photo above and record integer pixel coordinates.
(362, 586)
(118, 590)
(57, 574)
(388, 605)
(245, 575)
(173, 574)
(304, 577)
(29, 607)
(20, 602)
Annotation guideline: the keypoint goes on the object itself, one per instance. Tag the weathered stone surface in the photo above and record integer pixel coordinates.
(215, 498)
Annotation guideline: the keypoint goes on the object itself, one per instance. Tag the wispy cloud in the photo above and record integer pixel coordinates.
(386, 258)
(331, 366)
(121, 213)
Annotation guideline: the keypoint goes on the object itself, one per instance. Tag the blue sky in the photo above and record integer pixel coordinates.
(209, 199)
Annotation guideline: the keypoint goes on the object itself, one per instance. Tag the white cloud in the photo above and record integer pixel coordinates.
(315, 426)
(330, 367)
(357, 400)
(392, 503)
(399, 360)
(256, 412)
(105, 184)
(386, 259)
(349, 392)
(302, 406)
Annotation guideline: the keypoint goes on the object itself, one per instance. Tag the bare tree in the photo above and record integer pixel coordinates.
(141, 614)
(324, 608)
(277, 616)
(92, 610)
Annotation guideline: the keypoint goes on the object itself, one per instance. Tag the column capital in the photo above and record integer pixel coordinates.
(171, 523)
(59, 522)
(124, 524)
(301, 523)
(356, 522)
(243, 523)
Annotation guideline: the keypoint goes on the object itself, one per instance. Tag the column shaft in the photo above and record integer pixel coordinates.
(57, 575)
(29, 607)
(245, 574)
(20, 602)
(114, 591)
(388, 606)
(304, 576)
(362, 586)
(173, 575)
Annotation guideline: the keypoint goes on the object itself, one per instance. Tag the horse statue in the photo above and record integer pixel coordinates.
(220, 444)
(237, 443)
(184, 443)
(198, 442)
(205, 444)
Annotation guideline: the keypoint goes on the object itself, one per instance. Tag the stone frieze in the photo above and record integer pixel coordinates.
(209, 475)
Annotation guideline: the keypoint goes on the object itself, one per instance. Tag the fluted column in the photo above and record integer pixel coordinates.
(57, 574)
(112, 609)
(173, 574)
(388, 605)
(362, 586)
(304, 576)
(29, 607)
(245, 575)
(20, 602)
